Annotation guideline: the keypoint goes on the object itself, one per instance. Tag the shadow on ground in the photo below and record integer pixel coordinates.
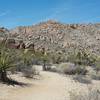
(12, 82)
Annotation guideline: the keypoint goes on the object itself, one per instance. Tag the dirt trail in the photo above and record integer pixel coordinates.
(52, 86)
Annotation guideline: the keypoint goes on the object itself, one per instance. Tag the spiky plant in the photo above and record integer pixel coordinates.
(25, 56)
(6, 62)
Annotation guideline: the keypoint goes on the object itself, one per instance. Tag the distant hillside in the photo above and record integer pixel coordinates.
(55, 36)
(3, 32)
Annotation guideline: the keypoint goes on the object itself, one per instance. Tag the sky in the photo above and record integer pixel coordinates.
(28, 12)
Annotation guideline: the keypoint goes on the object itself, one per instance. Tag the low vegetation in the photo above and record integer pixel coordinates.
(93, 94)
(7, 61)
(23, 59)
(82, 57)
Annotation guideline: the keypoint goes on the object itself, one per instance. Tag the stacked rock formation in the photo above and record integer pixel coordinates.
(55, 36)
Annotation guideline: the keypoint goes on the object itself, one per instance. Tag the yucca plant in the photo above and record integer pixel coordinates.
(6, 62)
(26, 56)
(25, 59)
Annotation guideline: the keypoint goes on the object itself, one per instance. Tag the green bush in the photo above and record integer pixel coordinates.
(82, 57)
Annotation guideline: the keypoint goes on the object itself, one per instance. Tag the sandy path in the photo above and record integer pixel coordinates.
(52, 86)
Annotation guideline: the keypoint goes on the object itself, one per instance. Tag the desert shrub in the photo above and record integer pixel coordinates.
(82, 79)
(93, 73)
(52, 68)
(93, 94)
(45, 60)
(41, 58)
(95, 76)
(25, 59)
(28, 58)
(57, 57)
(96, 69)
(69, 68)
(82, 57)
(97, 64)
(63, 67)
(81, 70)
(28, 72)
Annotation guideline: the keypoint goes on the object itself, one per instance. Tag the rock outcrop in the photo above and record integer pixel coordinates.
(55, 36)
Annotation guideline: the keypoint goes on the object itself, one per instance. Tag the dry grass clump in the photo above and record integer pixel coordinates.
(95, 76)
(52, 68)
(30, 71)
(82, 79)
(71, 69)
(93, 94)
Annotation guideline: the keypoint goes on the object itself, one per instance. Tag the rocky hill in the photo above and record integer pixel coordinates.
(55, 36)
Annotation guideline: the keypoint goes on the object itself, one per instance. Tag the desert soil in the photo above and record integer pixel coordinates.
(48, 86)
